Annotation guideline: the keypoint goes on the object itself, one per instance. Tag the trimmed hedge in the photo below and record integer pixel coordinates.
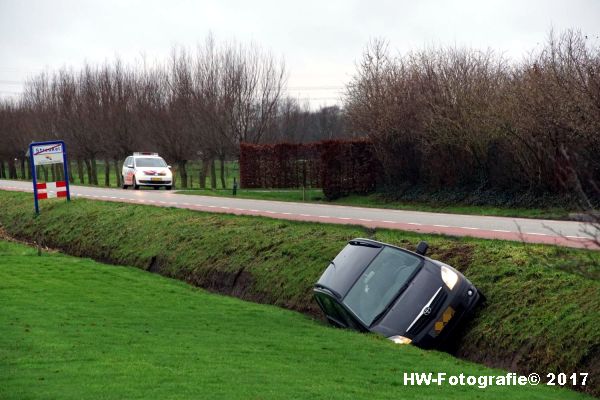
(339, 167)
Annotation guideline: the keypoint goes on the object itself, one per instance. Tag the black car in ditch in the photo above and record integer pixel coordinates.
(409, 298)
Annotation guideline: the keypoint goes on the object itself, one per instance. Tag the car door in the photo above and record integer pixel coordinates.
(127, 171)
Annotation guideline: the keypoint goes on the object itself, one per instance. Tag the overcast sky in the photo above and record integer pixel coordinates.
(319, 40)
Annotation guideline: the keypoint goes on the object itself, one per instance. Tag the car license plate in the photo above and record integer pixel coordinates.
(156, 179)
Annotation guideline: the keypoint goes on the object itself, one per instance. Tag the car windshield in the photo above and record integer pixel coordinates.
(150, 162)
(380, 283)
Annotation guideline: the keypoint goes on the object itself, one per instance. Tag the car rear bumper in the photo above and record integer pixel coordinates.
(147, 182)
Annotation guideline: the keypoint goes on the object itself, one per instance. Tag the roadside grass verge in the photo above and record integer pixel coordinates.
(378, 201)
(542, 313)
(73, 328)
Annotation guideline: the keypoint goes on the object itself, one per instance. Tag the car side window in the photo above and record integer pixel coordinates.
(127, 161)
(337, 313)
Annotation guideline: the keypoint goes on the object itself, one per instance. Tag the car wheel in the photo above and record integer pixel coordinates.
(156, 187)
(134, 183)
(168, 187)
(124, 186)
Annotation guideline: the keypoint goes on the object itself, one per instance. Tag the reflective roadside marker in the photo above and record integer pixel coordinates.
(51, 189)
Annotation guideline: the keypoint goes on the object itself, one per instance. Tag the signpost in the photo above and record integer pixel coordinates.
(47, 153)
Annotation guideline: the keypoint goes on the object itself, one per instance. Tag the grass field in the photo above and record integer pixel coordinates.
(543, 301)
(72, 328)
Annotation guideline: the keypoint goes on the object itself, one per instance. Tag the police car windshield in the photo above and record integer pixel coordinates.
(150, 162)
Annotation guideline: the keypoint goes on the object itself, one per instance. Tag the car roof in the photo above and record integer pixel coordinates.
(347, 266)
(350, 263)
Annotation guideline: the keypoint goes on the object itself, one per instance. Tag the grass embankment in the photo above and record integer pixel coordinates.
(73, 328)
(380, 201)
(542, 315)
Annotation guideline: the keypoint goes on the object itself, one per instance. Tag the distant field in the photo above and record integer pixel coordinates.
(193, 170)
(76, 329)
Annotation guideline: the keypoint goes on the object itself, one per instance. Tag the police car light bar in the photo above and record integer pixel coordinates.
(145, 153)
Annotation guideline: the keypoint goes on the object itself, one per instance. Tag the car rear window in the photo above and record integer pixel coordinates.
(380, 283)
(150, 162)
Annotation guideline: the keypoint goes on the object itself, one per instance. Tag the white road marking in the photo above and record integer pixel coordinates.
(306, 215)
(389, 222)
(345, 218)
(413, 223)
(442, 226)
(365, 220)
(324, 216)
(577, 237)
(500, 230)
(468, 227)
(535, 233)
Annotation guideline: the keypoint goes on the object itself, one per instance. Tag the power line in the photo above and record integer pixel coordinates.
(318, 87)
(320, 98)
(315, 87)
(6, 82)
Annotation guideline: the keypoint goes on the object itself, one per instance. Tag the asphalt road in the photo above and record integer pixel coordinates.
(564, 233)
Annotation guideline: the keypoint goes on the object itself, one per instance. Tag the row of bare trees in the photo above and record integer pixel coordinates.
(453, 117)
(444, 118)
(199, 105)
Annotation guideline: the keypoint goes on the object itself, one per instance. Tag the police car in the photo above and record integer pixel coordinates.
(146, 169)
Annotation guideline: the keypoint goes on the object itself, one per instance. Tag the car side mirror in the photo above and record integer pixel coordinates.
(168, 166)
(129, 166)
(422, 248)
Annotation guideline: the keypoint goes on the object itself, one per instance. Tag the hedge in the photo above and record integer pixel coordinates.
(339, 167)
